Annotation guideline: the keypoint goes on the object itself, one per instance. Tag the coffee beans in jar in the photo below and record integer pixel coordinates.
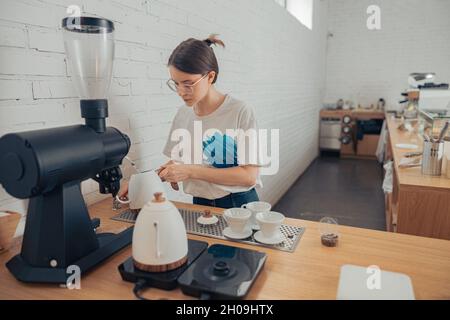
(328, 229)
(330, 239)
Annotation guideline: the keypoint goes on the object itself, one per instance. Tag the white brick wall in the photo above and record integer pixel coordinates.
(366, 65)
(271, 61)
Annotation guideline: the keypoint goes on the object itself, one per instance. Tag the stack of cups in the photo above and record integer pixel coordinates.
(255, 207)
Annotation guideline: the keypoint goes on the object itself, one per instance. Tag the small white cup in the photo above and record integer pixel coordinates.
(141, 188)
(255, 207)
(269, 223)
(237, 219)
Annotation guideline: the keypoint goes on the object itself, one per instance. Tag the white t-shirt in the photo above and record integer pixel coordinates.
(210, 143)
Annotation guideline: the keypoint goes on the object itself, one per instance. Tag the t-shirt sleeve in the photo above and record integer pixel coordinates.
(248, 150)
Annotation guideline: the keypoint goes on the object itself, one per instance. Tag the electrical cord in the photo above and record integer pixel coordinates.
(141, 284)
(205, 296)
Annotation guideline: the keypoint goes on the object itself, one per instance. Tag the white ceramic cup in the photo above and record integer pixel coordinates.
(141, 188)
(237, 219)
(255, 207)
(269, 223)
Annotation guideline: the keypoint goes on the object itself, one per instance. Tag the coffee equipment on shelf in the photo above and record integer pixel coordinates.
(330, 132)
(411, 104)
(49, 165)
(381, 104)
(347, 134)
(417, 79)
(435, 100)
(424, 94)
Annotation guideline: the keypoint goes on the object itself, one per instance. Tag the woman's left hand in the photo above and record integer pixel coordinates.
(173, 172)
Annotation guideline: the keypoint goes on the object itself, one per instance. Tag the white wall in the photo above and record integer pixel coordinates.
(271, 61)
(366, 65)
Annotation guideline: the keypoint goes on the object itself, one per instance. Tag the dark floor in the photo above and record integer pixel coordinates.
(346, 189)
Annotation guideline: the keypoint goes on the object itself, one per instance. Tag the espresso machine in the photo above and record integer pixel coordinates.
(47, 166)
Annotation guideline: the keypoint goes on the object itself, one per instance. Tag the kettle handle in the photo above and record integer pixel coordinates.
(158, 251)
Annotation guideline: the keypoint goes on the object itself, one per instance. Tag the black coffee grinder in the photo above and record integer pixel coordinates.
(49, 165)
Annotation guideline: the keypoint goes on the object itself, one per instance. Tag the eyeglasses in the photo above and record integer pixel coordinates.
(188, 88)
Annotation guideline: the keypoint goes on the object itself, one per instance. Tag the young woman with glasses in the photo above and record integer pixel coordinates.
(223, 178)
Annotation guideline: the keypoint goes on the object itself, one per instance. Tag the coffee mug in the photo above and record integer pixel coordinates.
(237, 219)
(141, 188)
(270, 223)
(255, 207)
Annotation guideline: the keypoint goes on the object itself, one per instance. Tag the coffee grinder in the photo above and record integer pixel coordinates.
(49, 165)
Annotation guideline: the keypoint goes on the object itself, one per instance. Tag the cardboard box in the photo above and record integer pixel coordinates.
(8, 225)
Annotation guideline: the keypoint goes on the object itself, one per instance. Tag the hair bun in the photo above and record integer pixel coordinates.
(212, 39)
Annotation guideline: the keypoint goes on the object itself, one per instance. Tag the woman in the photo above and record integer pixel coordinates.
(215, 181)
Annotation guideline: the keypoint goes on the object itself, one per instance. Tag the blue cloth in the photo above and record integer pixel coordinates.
(368, 127)
(233, 200)
(220, 151)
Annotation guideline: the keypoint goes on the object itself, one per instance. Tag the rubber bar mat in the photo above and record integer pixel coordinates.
(291, 234)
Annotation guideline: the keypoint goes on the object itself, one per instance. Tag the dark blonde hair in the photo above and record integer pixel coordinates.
(196, 56)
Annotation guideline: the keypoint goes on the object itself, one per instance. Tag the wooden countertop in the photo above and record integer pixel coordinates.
(356, 113)
(311, 272)
(411, 176)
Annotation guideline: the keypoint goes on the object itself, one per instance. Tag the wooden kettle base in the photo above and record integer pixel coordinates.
(160, 268)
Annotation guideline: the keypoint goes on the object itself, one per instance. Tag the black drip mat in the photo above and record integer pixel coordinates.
(291, 234)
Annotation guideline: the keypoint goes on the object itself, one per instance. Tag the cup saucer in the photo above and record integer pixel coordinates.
(227, 232)
(276, 239)
(207, 221)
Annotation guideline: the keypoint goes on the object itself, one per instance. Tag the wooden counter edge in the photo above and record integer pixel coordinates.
(379, 239)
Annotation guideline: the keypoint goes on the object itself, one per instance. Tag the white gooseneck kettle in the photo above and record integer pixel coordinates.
(159, 239)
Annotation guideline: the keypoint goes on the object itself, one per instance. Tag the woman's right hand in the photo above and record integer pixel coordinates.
(123, 192)
(173, 184)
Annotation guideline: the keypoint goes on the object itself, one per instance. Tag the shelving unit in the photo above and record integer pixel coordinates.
(363, 149)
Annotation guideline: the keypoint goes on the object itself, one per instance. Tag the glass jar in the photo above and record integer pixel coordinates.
(411, 109)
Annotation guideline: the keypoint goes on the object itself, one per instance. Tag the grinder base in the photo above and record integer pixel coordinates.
(109, 244)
